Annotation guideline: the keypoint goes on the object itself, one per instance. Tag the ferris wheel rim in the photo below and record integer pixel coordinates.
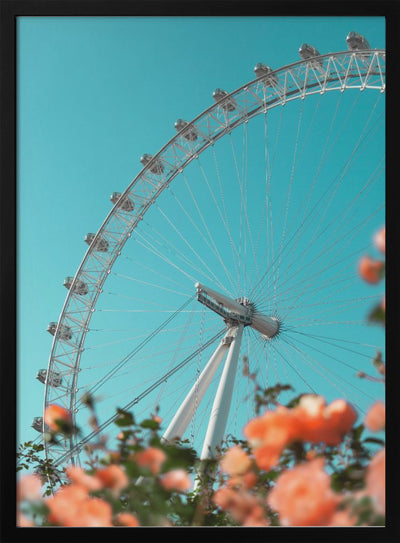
(106, 265)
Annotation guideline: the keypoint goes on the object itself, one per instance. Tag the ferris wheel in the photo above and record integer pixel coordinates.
(231, 258)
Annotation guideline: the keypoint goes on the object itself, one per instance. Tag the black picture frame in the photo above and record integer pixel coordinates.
(10, 11)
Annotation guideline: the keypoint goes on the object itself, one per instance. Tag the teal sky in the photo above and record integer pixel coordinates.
(94, 94)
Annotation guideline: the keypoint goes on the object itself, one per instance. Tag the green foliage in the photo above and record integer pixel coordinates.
(378, 363)
(28, 459)
(124, 418)
(268, 397)
(377, 315)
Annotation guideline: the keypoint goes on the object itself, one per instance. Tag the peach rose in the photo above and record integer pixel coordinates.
(375, 481)
(176, 479)
(72, 506)
(235, 461)
(270, 433)
(152, 458)
(23, 522)
(380, 239)
(247, 480)
(113, 477)
(256, 517)
(126, 519)
(93, 512)
(65, 504)
(340, 419)
(341, 415)
(343, 518)
(375, 419)
(241, 505)
(321, 423)
(57, 418)
(79, 476)
(302, 496)
(268, 456)
(29, 488)
(370, 269)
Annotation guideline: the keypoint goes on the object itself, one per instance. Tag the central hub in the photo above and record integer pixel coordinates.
(239, 311)
(245, 302)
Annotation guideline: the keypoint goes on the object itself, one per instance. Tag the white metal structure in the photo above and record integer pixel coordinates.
(336, 74)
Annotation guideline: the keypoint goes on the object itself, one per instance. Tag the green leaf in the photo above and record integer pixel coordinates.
(88, 400)
(179, 457)
(124, 418)
(350, 478)
(357, 431)
(294, 402)
(271, 475)
(132, 469)
(374, 440)
(377, 314)
(151, 424)
(336, 482)
(378, 363)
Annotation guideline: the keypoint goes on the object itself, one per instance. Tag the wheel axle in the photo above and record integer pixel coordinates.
(240, 311)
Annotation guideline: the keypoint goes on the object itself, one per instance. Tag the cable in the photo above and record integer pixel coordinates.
(138, 348)
(136, 400)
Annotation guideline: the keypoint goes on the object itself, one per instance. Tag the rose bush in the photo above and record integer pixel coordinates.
(306, 463)
(303, 464)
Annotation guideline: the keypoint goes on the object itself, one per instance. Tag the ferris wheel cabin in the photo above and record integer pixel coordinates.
(221, 95)
(356, 42)
(125, 203)
(54, 378)
(64, 332)
(155, 165)
(188, 132)
(266, 74)
(100, 244)
(79, 287)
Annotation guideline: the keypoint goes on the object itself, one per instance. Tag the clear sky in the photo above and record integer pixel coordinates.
(94, 94)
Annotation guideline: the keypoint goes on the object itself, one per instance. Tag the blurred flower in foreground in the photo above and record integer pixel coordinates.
(29, 488)
(379, 240)
(235, 461)
(311, 420)
(375, 418)
(79, 476)
(247, 480)
(375, 481)
(23, 522)
(176, 479)
(113, 477)
(324, 423)
(343, 518)
(71, 505)
(126, 519)
(371, 270)
(243, 507)
(151, 458)
(270, 433)
(58, 418)
(302, 496)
